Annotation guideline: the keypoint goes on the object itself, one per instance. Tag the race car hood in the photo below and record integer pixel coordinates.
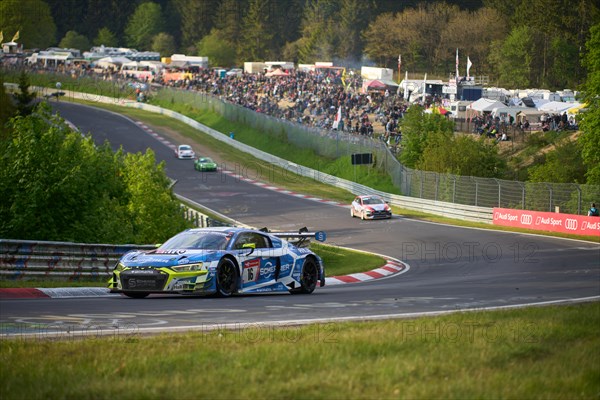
(377, 207)
(156, 258)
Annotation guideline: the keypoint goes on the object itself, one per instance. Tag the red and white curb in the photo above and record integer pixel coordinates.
(392, 267)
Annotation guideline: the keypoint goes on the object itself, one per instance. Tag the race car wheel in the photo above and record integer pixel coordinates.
(226, 278)
(309, 277)
(362, 215)
(352, 212)
(136, 295)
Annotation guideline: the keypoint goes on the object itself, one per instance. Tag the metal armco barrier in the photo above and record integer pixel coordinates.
(27, 259)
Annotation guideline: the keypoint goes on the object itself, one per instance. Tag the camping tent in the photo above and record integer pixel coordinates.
(107, 62)
(555, 107)
(484, 105)
(576, 108)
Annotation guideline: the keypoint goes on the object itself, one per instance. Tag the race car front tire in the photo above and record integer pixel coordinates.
(309, 277)
(226, 278)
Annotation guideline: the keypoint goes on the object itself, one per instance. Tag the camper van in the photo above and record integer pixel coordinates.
(459, 109)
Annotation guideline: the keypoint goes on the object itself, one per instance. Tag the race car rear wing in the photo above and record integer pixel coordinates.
(300, 238)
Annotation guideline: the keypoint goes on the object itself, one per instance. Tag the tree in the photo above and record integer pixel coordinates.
(561, 165)
(512, 58)
(461, 155)
(106, 37)
(143, 25)
(196, 19)
(256, 33)
(164, 44)
(353, 18)
(590, 121)
(218, 49)
(56, 184)
(7, 111)
(24, 97)
(32, 19)
(74, 40)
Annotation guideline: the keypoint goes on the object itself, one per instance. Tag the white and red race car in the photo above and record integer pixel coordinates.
(370, 207)
(184, 151)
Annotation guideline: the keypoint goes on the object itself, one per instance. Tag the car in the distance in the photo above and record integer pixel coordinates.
(222, 261)
(205, 164)
(370, 207)
(184, 151)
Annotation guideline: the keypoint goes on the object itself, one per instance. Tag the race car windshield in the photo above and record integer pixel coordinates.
(196, 241)
(371, 200)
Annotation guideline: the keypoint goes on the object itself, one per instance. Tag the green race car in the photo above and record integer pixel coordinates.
(205, 164)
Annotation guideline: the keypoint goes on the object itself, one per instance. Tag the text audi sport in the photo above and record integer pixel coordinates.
(221, 261)
(370, 207)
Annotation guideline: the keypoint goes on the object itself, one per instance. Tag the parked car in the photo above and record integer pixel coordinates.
(370, 207)
(185, 151)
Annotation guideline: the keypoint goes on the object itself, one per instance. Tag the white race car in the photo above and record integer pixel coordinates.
(184, 151)
(370, 207)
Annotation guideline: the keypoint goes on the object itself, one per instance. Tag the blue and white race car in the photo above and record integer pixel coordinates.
(222, 261)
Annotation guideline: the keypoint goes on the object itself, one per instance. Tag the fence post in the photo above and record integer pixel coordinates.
(454, 189)
(499, 192)
(421, 193)
(578, 198)
(551, 195)
(437, 183)
(522, 194)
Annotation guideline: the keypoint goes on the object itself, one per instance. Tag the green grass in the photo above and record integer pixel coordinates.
(540, 352)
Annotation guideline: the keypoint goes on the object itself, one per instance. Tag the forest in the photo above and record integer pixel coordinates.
(516, 43)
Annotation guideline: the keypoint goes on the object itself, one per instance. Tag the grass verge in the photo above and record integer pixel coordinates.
(539, 352)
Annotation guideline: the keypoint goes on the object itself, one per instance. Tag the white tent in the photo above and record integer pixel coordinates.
(485, 105)
(112, 62)
(556, 107)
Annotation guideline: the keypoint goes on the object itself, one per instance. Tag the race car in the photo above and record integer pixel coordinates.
(184, 151)
(222, 261)
(205, 164)
(370, 207)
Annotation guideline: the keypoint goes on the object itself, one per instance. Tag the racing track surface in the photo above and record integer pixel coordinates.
(450, 267)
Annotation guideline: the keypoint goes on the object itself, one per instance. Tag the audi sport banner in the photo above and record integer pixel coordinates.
(547, 221)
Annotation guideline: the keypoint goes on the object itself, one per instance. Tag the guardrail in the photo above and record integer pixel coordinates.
(28, 259)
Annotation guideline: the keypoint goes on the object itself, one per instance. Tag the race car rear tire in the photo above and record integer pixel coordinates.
(309, 277)
(226, 278)
(136, 295)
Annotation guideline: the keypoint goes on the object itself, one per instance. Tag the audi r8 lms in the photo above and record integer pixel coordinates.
(370, 207)
(184, 151)
(205, 164)
(222, 261)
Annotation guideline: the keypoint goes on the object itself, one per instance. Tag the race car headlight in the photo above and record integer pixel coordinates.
(188, 267)
(119, 267)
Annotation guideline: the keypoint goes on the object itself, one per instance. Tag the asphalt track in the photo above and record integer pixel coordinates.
(451, 268)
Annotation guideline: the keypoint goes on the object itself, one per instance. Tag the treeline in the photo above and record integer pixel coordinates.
(517, 43)
(56, 184)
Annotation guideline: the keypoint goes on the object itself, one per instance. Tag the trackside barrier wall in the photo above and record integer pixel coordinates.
(27, 259)
(446, 209)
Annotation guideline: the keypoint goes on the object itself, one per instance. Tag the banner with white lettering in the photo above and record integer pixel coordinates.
(547, 221)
